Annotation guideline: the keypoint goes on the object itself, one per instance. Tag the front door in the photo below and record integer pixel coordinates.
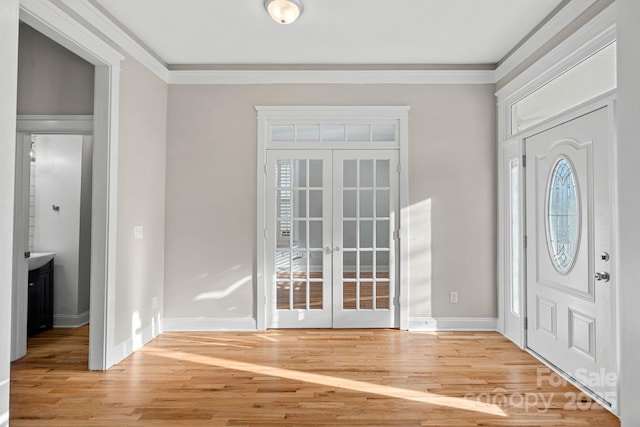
(570, 305)
(332, 220)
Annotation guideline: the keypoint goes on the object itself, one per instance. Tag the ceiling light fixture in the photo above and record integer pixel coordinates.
(284, 11)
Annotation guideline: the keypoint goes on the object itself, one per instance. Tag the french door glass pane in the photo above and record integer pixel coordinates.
(299, 256)
(366, 234)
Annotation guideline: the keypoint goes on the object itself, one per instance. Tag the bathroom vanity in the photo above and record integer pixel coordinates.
(40, 308)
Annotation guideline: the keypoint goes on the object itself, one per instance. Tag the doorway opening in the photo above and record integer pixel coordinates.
(47, 19)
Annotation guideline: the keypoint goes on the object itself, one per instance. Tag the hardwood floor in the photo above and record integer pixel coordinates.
(296, 378)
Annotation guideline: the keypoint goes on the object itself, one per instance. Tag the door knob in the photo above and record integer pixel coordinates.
(336, 249)
(327, 250)
(603, 276)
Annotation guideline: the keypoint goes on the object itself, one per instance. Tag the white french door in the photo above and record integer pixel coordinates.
(570, 303)
(331, 241)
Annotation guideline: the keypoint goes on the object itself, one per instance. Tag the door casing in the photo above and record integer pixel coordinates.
(268, 115)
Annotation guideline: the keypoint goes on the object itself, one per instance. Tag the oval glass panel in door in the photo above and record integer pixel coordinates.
(563, 216)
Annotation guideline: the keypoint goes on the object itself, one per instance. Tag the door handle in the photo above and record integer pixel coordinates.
(602, 276)
(327, 250)
(336, 249)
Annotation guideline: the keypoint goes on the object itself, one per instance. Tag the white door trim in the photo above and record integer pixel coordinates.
(292, 114)
(589, 39)
(606, 100)
(56, 24)
(27, 125)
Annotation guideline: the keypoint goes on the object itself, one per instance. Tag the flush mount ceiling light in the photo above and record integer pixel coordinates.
(284, 11)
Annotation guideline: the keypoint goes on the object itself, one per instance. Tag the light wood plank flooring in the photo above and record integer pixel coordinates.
(296, 378)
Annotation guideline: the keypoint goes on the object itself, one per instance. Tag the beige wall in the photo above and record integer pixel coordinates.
(51, 79)
(211, 193)
(141, 201)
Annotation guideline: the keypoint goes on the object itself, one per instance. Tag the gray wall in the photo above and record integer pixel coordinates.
(51, 79)
(211, 193)
(628, 175)
(141, 201)
(8, 89)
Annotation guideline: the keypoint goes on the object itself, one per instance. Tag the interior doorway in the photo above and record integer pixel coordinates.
(332, 228)
(52, 232)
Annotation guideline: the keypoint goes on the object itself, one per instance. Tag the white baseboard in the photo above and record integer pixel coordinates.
(452, 324)
(70, 320)
(184, 324)
(126, 348)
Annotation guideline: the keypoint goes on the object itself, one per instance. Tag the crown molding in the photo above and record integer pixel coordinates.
(553, 26)
(59, 26)
(103, 23)
(246, 77)
(588, 39)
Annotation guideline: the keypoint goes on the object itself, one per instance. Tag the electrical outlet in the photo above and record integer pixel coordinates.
(453, 297)
(154, 303)
(138, 232)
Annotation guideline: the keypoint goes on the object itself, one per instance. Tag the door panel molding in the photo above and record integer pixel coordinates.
(577, 331)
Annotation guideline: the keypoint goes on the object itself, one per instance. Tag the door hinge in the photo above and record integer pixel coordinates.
(396, 301)
(396, 234)
(524, 160)
(524, 242)
(265, 234)
(398, 167)
(265, 168)
(526, 323)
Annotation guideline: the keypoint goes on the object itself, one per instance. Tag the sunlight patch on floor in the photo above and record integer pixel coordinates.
(326, 380)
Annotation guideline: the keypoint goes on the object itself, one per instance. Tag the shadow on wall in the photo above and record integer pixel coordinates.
(420, 259)
(233, 276)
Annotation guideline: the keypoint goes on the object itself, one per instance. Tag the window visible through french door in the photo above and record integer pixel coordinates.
(332, 221)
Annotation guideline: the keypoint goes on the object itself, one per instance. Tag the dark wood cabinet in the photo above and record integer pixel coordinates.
(40, 308)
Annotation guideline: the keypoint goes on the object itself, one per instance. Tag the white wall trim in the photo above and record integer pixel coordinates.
(70, 320)
(59, 26)
(452, 324)
(110, 29)
(245, 77)
(124, 349)
(587, 40)
(186, 324)
(545, 33)
(55, 123)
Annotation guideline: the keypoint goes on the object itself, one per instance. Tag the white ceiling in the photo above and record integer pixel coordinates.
(331, 31)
